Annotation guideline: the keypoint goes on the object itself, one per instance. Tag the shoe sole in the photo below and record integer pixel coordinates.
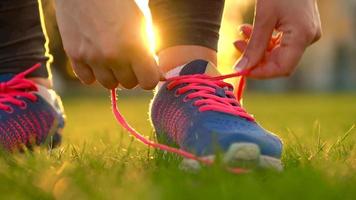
(239, 156)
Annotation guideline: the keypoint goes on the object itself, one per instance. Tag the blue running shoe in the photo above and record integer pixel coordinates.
(201, 115)
(30, 114)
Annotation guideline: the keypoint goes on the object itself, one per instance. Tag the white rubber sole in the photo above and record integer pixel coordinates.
(239, 155)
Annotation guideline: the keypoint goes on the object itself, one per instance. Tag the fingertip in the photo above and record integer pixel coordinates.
(129, 85)
(146, 71)
(105, 77)
(83, 72)
(152, 83)
(109, 84)
(149, 85)
(245, 26)
(241, 64)
(88, 81)
(162, 77)
(240, 45)
(245, 30)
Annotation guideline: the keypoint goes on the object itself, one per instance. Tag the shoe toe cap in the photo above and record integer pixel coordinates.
(219, 132)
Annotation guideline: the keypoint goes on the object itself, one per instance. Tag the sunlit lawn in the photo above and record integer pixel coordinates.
(98, 160)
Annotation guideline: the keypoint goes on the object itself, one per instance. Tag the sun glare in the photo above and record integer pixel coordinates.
(227, 54)
(147, 28)
(229, 33)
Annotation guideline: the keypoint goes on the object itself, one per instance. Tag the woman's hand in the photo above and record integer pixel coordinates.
(281, 32)
(104, 42)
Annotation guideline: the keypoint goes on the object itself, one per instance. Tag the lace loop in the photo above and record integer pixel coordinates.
(213, 94)
(18, 86)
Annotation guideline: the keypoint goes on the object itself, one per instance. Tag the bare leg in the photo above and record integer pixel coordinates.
(168, 58)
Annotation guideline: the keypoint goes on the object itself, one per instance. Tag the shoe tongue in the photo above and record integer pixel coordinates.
(199, 67)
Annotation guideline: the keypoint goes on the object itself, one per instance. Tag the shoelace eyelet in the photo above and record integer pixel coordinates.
(176, 93)
(186, 99)
(9, 110)
(23, 105)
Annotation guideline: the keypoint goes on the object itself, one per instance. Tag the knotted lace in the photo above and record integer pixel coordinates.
(203, 86)
(11, 91)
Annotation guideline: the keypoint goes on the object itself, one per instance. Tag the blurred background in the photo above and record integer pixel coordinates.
(328, 65)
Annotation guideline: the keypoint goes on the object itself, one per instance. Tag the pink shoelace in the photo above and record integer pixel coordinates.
(18, 86)
(203, 86)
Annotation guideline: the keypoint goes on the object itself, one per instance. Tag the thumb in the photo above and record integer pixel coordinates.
(145, 68)
(162, 77)
(264, 23)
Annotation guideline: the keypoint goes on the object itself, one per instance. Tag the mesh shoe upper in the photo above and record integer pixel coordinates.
(32, 121)
(178, 119)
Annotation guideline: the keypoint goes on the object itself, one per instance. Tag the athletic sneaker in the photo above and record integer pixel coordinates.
(30, 114)
(201, 115)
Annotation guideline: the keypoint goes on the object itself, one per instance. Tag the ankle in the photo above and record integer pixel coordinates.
(46, 82)
(179, 55)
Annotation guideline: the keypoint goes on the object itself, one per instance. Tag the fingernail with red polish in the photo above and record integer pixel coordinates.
(241, 64)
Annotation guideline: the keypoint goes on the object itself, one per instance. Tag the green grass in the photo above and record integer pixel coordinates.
(98, 160)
